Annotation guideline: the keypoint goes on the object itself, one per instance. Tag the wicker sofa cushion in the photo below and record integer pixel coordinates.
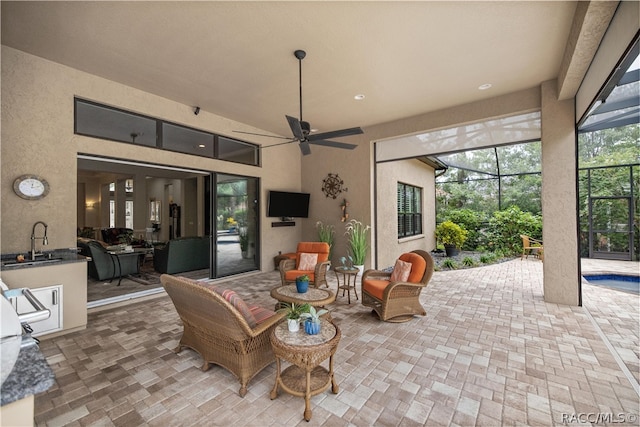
(261, 314)
(237, 302)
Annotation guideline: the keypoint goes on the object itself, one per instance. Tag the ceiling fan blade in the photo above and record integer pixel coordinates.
(333, 144)
(304, 147)
(262, 134)
(295, 126)
(335, 134)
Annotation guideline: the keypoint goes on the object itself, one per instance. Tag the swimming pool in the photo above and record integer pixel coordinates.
(615, 281)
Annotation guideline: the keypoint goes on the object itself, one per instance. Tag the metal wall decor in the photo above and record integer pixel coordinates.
(332, 185)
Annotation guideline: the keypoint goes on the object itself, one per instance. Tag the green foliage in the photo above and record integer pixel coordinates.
(505, 228)
(450, 264)
(325, 234)
(468, 261)
(472, 222)
(312, 314)
(600, 151)
(486, 259)
(356, 233)
(293, 311)
(450, 233)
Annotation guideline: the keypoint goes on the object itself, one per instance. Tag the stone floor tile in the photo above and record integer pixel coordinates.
(489, 352)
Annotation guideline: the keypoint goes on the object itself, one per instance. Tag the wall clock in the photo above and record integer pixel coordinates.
(31, 187)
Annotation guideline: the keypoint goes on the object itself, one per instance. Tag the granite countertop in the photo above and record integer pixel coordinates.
(30, 375)
(53, 257)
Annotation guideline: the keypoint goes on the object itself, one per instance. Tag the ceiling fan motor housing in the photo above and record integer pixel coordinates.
(306, 128)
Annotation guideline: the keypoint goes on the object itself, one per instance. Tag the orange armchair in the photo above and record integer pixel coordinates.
(398, 301)
(317, 271)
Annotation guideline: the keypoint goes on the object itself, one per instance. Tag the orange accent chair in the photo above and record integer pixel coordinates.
(398, 301)
(290, 268)
(531, 246)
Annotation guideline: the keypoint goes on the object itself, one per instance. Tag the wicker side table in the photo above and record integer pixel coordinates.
(305, 377)
(314, 296)
(349, 279)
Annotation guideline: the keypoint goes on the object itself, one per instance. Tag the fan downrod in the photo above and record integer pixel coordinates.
(300, 54)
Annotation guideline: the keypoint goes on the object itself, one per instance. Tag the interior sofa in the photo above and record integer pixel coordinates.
(102, 265)
(182, 254)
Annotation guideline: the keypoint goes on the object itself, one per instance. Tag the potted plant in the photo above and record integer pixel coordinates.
(292, 313)
(325, 234)
(357, 242)
(244, 242)
(312, 319)
(302, 283)
(452, 236)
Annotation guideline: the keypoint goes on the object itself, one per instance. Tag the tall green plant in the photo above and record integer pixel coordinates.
(356, 233)
(325, 234)
(506, 226)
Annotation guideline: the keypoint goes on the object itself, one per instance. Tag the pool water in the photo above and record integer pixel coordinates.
(616, 281)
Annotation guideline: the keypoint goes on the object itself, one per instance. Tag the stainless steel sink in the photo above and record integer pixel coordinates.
(12, 263)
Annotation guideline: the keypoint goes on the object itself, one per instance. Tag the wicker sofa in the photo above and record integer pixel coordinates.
(222, 328)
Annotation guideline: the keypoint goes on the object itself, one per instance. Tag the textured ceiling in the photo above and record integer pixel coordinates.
(235, 59)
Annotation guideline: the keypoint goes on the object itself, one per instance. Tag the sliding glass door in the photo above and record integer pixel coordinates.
(236, 224)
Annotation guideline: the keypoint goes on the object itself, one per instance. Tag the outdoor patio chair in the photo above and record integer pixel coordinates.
(531, 246)
(222, 328)
(396, 300)
(312, 259)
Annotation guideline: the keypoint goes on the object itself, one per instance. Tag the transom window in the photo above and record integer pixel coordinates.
(409, 210)
(101, 121)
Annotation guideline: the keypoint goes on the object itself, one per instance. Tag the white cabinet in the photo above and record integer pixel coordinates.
(51, 298)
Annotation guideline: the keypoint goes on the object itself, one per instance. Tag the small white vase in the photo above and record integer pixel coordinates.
(293, 324)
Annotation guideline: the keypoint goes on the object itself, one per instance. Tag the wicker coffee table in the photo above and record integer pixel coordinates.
(315, 297)
(305, 377)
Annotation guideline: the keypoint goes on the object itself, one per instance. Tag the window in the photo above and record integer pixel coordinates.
(409, 210)
(101, 121)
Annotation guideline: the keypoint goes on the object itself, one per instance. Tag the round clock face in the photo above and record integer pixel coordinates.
(31, 187)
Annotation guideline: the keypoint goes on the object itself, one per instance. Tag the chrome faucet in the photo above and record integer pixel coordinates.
(45, 241)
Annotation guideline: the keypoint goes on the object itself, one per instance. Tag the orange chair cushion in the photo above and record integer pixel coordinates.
(418, 266)
(290, 276)
(375, 287)
(321, 248)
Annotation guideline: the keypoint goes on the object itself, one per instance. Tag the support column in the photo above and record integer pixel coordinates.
(559, 222)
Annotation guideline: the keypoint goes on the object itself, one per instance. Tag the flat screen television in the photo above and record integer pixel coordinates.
(284, 204)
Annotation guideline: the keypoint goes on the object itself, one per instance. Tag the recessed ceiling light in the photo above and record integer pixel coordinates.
(485, 86)
(201, 145)
(359, 97)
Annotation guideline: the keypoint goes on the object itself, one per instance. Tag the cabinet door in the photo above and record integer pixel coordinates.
(51, 298)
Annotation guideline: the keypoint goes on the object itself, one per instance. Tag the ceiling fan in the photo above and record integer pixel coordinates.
(302, 130)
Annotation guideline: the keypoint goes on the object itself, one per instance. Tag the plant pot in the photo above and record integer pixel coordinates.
(311, 327)
(302, 286)
(360, 269)
(293, 324)
(451, 250)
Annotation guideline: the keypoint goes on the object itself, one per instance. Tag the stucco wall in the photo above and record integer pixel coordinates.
(38, 138)
(389, 174)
